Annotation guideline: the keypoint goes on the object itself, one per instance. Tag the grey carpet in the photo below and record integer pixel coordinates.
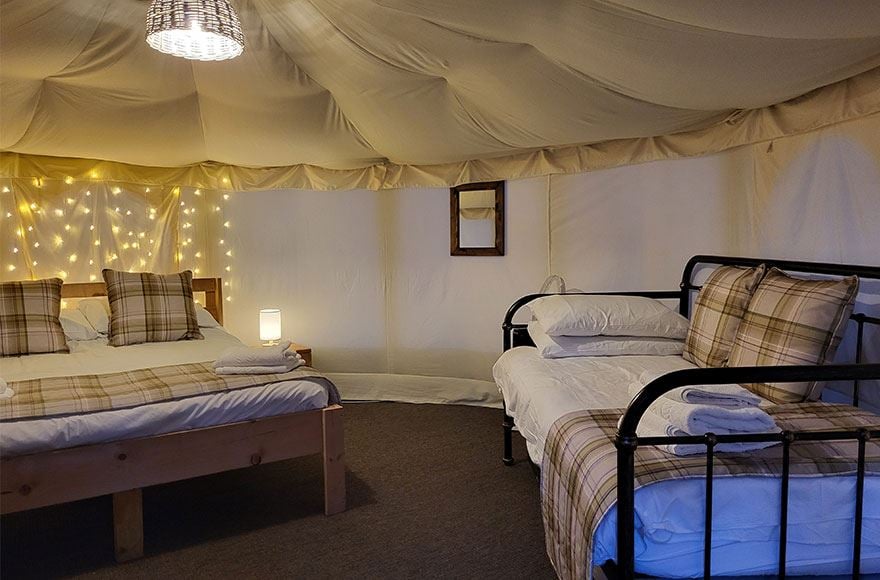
(428, 498)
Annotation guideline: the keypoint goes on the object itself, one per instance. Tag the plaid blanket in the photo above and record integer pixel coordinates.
(579, 470)
(55, 396)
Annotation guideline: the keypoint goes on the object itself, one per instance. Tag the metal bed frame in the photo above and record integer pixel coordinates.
(627, 440)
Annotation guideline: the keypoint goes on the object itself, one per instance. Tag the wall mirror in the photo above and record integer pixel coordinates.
(477, 219)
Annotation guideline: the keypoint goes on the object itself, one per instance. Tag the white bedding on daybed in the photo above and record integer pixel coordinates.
(96, 357)
(669, 527)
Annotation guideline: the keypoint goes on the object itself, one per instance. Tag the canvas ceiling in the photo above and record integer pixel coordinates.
(390, 93)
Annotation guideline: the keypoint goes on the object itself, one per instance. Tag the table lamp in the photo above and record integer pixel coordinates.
(270, 326)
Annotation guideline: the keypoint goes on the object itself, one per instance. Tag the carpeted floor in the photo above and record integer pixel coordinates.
(428, 498)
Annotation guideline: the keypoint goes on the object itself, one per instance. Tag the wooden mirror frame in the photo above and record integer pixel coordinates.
(455, 241)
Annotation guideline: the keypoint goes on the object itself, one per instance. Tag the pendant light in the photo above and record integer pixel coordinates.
(195, 29)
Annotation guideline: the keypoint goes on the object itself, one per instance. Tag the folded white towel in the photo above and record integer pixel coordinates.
(653, 425)
(699, 419)
(261, 370)
(5, 391)
(256, 356)
(728, 395)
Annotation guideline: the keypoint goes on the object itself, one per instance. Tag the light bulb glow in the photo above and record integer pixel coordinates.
(270, 324)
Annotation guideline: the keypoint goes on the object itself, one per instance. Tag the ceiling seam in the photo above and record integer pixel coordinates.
(474, 120)
(588, 76)
(199, 109)
(475, 123)
(563, 66)
(43, 81)
(365, 50)
(87, 43)
(622, 9)
(336, 103)
(555, 62)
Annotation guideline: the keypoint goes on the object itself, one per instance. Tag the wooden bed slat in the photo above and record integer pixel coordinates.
(48, 478)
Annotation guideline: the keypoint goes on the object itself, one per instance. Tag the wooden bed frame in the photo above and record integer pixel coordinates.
(123, 468)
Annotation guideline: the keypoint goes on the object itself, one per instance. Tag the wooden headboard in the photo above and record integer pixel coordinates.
(212, 288)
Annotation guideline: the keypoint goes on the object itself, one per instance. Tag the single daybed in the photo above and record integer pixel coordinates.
(618, 504)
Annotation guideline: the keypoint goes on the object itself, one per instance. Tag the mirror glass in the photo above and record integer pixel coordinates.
(476, 219)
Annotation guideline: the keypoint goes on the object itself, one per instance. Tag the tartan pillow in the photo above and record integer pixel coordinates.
(151, 307)
(29, 321)
(791, 321)
(718, 311)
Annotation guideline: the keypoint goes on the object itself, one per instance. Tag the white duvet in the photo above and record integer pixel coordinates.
(669, 526)
(96, 357)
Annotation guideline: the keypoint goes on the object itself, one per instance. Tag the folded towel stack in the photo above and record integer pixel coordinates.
(260, 360)
(735, 396)
(700, 409)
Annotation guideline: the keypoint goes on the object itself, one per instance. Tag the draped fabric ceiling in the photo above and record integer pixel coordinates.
(333, 94)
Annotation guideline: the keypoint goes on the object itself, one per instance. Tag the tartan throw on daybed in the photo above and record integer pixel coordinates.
(55, 396)
(579, 470)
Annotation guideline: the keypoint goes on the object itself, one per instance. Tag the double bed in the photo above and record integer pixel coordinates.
(663, 530)
(60, 458)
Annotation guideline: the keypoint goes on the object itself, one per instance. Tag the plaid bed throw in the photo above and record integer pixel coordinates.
(579, 471)
(56, 396)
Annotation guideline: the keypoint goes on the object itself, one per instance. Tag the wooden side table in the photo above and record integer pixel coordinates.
(304, 351)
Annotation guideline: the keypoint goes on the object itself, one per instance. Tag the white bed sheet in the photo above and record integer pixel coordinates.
(96, 357)
(669, 527)
(537, 391)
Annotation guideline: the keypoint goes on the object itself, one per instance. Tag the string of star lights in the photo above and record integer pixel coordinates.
(72, 229)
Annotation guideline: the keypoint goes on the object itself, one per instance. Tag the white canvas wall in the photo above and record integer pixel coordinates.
(813, 197)
(633, 228)
(367, 280)
(319, 256)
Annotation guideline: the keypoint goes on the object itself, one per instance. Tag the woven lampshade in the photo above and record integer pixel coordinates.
(195, 29)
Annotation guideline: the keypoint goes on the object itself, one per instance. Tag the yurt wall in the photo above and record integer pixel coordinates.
(366, 277)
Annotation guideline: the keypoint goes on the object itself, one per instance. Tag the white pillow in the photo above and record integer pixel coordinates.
(205, 318)
(566, 346)
(76, 326)
(587, 315)
(97, 312)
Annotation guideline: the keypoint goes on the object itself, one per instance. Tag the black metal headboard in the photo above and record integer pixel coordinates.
(791, 266)
(515, 334)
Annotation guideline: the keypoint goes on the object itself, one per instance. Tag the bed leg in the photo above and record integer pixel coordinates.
(334, 461)
(507, 425)
(128, 525)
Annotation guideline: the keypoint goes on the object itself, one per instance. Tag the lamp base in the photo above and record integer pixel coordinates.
(271, 342)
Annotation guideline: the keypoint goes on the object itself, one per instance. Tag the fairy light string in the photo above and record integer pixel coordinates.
(72, 229)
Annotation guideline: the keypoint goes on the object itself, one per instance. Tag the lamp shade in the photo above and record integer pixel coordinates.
(270, 324)
(195, 29)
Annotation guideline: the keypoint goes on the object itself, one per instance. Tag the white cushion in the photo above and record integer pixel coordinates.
(76, 326)
(587, 315)
(567, 346)
(205, 318)
(97, 312)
